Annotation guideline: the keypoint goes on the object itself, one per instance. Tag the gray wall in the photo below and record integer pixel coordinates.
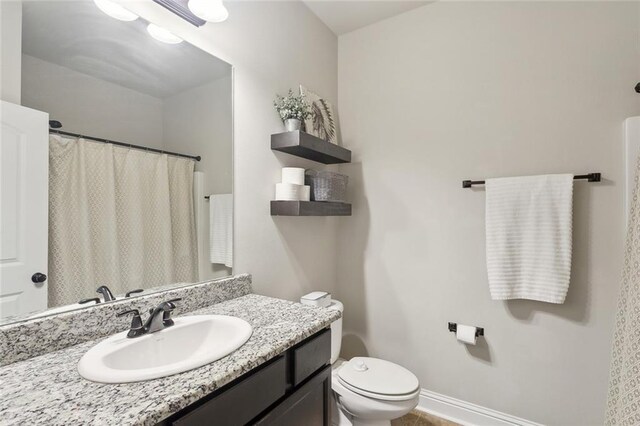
(10, 53)
(454, 91)
(91, 106)
(200, 121)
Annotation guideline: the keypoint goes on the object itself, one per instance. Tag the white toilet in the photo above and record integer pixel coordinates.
(368, 391)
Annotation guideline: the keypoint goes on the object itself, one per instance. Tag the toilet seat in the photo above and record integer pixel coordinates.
(378, 379)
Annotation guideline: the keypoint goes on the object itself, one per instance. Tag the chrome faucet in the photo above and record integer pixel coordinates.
(159, 318)
(107, 296)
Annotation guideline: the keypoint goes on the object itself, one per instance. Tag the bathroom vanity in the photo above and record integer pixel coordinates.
(291, 389)
(279, 376)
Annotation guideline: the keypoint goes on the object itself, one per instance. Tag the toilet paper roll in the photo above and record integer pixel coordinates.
(293, 175)
(305, 193)
(466, 334)
(287, 192)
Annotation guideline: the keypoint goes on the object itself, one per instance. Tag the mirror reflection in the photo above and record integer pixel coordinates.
(116, 162)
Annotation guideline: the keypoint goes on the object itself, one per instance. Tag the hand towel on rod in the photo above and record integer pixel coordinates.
(221, 229)
(528, 237)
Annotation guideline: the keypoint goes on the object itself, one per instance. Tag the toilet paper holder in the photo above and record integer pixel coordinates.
(453, 327)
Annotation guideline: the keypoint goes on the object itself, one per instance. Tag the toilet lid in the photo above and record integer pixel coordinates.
(379, 377)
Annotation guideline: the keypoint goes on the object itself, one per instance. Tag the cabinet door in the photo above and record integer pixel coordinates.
(310, 356)
(309, 405)
(243, 401)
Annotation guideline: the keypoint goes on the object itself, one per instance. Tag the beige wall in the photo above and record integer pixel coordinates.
(273, 46)
(200, 121)
(91, 106)
(455, 91)
(10, 50)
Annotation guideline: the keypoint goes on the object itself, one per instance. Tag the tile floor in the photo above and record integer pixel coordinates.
(419, 418)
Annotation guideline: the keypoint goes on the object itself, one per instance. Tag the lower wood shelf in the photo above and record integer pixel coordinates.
(309, 208)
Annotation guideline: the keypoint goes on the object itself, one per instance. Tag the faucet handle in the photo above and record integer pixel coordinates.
(129, 293)
(166, 315)
(91, 299)
(135, 313)
(137, 329)
(171, 303)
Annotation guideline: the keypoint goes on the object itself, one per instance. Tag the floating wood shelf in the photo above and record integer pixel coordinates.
(307, 146)
(309, 208)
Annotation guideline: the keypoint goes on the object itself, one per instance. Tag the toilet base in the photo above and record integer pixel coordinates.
(372, 423)
(339, 417)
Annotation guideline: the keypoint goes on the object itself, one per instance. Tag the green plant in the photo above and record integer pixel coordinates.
(292, 106)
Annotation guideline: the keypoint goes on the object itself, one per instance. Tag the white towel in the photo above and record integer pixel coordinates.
(221, 229)
(528, 224)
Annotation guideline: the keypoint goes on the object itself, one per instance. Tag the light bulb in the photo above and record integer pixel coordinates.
(209, 10)
(115, 10)
(162, 34)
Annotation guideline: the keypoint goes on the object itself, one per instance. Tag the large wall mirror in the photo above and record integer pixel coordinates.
(135, 129)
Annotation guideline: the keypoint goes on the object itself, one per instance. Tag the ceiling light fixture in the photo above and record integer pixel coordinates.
(209, 10)
(162, 34)
(116, 11)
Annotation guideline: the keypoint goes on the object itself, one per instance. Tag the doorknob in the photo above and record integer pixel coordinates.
(38, 277)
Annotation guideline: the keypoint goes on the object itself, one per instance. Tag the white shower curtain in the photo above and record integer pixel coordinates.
(119, 217)
(623, 404)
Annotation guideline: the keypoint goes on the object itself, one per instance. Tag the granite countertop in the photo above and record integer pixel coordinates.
(48, 389)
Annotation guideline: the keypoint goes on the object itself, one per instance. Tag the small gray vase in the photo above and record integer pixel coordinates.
(292, 124)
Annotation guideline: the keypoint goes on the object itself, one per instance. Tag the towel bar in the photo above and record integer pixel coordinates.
(590, 177)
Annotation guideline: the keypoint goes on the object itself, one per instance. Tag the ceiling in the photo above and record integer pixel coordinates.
(346, 16)
(77, 35)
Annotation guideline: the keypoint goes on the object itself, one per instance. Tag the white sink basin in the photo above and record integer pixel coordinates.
(191, 342)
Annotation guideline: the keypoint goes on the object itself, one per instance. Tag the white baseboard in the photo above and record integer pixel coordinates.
(466, 413)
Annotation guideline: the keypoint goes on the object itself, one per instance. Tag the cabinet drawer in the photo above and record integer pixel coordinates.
(243, 401)
(310, 356)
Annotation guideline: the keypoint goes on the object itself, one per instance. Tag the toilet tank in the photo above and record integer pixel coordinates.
(336, 331)
(321, 298)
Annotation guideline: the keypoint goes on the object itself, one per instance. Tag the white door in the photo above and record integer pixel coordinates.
(24, 207)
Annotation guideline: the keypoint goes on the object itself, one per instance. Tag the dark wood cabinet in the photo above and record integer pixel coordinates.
(308, 405)
(289, 390)
(309, 357)
(231, 406)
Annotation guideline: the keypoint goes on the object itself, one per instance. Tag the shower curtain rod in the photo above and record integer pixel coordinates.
(128, 145)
